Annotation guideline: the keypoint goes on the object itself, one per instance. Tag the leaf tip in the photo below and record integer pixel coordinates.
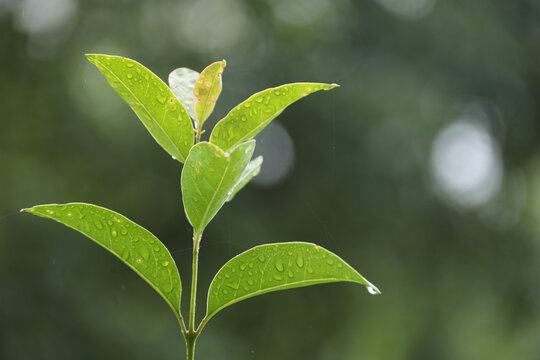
(92, 58)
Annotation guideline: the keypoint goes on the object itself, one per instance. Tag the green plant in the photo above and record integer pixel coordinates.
(213, 173)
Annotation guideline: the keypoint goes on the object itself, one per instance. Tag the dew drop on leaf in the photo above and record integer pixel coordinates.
(98, 224)
(145, 253)
(372, 290)
(161, 99)
(279, 265)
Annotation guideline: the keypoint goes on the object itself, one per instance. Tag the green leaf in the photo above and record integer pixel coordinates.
(131, 243)
(248, 118)
(208, 179)
(182, 82)
(252, 169)
(152, 100)
(207, 90)
(274, 267)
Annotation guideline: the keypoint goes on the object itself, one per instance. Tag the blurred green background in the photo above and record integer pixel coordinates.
(422, 171)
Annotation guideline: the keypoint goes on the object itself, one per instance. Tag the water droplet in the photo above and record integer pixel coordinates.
(98, 224)
(250, 265)
(261, 258)
(227, 276)
(69, 214)
(161, 99)
(244, 118)
(310, 269)
(300, 261)
(330, 261)
(129, 75)
(276, 92)
(129, 64)
(165, 263)
(372, 290)
(225, 291)
(50, 212)
(138, 261)
(278, 277)
(167, 287)
(339, 266)
(290, 273)
(246, 288)
(250, 282)
(145, 252)
(123, 231)
(114, 233)
(243, 267)
(279, 265)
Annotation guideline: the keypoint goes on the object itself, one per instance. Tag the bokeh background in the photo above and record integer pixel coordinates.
(422, 171)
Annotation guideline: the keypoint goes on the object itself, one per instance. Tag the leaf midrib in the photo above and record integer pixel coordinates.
(203, 218)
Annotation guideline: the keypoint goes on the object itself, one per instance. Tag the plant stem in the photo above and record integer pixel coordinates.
(190, 346)
(191, 334)
(198, 133)
(194, 271)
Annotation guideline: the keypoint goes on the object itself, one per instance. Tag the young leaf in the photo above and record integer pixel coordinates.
(248, 118)
(152, 100)
(274, 267)
(182, 82)
(208, 179)
(131, 243)
(207, 90)
(252, 169)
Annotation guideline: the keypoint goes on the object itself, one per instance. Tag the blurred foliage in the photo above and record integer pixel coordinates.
(458, 277)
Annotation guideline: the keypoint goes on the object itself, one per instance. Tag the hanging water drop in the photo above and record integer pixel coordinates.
(372, 290)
